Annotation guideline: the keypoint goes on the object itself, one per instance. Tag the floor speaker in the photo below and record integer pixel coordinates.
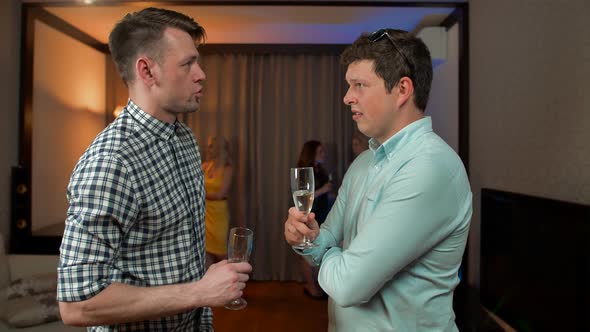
(20, 227)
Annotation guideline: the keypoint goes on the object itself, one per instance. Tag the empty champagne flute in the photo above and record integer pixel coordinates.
(239, 248)
(302, 187)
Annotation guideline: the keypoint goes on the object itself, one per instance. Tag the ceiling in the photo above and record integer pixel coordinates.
(258, 24)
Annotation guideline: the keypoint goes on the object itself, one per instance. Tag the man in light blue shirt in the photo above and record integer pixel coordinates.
(391, 247)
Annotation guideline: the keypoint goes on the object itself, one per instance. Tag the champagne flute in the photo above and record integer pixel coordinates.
(239, 248)
(302, 187)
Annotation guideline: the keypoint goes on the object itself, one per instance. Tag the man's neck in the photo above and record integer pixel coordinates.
(406, 117)
(150, 106)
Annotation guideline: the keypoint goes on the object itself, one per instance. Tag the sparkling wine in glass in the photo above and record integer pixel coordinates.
(302, 187)
(239, 248)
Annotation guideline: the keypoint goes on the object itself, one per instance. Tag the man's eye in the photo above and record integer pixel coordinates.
(360, 85)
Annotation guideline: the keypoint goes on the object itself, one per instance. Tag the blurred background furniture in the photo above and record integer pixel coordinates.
(29, 273)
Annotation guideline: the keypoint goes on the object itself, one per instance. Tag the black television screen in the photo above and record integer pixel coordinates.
(535, 261)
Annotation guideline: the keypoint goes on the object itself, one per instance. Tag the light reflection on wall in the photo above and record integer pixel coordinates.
(68, 112)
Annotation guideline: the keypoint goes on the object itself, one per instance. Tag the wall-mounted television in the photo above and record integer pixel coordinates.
(535, 261)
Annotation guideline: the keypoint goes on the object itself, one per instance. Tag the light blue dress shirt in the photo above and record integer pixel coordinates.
(391, 247)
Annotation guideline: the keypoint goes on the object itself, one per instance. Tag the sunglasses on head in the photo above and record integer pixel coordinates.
(379, 34)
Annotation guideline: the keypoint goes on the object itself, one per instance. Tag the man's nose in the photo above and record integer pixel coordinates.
(348, 98)
(199, 74)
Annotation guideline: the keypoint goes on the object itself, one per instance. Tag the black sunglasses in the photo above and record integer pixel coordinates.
(379, 34)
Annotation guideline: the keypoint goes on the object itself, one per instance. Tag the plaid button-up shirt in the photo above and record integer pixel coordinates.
(136, 216)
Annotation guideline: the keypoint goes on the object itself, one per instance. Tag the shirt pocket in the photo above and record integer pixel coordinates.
(373, 195)
(369, 204)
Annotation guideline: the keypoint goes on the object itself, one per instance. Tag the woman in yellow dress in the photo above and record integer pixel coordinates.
(218, 176)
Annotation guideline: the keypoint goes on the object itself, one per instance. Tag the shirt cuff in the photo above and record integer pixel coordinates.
(81, 282)
(314, 255)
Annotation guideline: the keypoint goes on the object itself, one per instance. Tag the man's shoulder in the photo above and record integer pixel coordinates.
(112, 137)
(110, 144)
(430, 158)
(432, 147)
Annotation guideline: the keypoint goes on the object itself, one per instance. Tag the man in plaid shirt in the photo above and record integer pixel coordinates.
(133, 253)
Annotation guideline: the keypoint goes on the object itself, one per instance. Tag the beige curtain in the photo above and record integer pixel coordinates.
(267, 106)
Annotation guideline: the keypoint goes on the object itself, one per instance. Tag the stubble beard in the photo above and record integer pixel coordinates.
(192, 106)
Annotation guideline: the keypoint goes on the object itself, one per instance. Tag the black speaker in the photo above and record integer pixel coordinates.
(20, 226)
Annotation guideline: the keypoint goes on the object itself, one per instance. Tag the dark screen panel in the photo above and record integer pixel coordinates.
(535, 261)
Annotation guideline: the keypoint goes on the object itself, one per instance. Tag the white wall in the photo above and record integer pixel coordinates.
(529, 101)
(443, 104)
(69, 96)
(9, 90)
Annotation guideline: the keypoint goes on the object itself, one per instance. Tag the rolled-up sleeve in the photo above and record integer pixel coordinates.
(102, 208)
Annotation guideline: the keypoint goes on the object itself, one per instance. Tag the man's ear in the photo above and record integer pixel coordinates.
(144, 70)
(405, 87)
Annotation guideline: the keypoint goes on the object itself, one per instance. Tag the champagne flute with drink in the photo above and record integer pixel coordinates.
(302, 187)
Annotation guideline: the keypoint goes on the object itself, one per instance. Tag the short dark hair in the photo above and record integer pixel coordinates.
(307, 155)
(142, 31)
(390, 60)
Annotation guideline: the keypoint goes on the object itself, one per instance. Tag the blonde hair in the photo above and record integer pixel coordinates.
(221, 148)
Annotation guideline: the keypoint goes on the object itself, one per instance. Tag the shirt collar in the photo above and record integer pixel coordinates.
(159, 128)
(399, 140)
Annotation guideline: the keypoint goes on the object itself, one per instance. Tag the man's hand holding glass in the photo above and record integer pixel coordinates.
(298, 225)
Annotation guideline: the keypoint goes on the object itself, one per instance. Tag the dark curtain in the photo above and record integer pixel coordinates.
(267, 106)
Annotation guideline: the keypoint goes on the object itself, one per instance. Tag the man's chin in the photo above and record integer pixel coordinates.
(363, 130)
(192, 108)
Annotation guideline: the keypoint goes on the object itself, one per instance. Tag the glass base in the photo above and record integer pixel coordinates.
(304, 245)
(236, 304)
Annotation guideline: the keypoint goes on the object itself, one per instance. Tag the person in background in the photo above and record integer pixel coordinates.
(390, 250)
(359, 143)
(132, 257)
(218, 172)
(313, 155)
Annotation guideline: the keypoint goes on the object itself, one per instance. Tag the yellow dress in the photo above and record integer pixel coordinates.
(216, 213)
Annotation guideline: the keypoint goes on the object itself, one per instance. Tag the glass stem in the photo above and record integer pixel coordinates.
(305, 239)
